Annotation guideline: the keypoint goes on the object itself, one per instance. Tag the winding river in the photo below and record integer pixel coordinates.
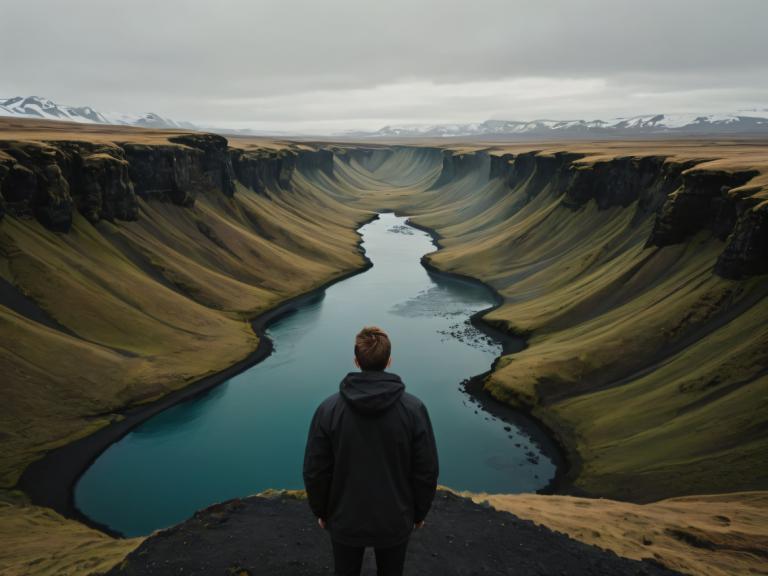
(248, 434)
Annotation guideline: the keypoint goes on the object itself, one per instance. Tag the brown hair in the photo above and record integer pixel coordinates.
(372, 348)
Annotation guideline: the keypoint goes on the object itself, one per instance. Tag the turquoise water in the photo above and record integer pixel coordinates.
(248, 434)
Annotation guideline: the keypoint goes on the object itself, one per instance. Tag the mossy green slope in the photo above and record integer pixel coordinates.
(136, 309)
(651, 368)
(649, 364)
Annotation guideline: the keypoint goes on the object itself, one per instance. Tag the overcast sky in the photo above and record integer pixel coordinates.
(330, 65)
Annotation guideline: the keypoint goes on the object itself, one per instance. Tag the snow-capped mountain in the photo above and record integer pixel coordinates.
(672, 124)
(44, 108)
(748, 121)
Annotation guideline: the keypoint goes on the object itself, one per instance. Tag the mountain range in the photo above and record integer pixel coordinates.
(753, 121)
(47, 109)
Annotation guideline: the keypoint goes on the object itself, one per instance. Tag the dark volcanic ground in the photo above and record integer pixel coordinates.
(278, 535)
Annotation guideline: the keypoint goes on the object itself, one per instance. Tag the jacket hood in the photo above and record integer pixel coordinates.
(370, 392)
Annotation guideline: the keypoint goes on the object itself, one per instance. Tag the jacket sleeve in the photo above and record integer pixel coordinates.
(318, 466)
(425, 465)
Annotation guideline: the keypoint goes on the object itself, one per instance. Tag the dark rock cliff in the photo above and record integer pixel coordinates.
(681, 199)
(261, 169)
(321, 160)
(456, 166)
(98, 180)
(622, 181)
(102, 181)
(179, 173)
(34, 184)
(702, 202)
(49, 181)
(256, 169)
(107, 190)
(746, 252)
(369, 158)
(617, 182)
(705, 201)
(540, 172)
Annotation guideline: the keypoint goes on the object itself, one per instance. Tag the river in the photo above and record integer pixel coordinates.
(248, 434)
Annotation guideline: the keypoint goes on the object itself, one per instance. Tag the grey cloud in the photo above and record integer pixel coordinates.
(182, 57)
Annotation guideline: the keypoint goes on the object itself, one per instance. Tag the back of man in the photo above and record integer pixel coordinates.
(370, 467)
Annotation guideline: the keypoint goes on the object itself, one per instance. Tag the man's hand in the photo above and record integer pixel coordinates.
(321, 523)
(418, 525)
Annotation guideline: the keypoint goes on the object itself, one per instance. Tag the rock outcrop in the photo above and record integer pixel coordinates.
(322, 160)
(746, 253)
(278, 535)
(456, 166)
(682, 199)
(106, 189)
(536, 171)
(198, 164)
(622, 181)
(35, 185)
(701, 202)
(214, 166)
(261, 169)
(256, 169)
(49, 181)
(103, 181)
(704, 201)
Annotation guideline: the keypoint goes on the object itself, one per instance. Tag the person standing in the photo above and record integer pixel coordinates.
(371, 464)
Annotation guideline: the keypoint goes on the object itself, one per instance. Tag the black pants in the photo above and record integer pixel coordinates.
(349, 559)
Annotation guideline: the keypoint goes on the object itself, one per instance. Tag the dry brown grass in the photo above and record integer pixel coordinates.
(710, 535)
(50, 130)
(38, 541)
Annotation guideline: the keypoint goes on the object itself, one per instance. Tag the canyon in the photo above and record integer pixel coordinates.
(135, 260)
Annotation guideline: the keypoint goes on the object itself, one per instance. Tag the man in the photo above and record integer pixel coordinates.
(370, 466)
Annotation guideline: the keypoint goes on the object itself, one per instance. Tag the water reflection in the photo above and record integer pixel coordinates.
(180, 417)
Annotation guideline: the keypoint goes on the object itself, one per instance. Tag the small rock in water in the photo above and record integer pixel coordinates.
(401, 229)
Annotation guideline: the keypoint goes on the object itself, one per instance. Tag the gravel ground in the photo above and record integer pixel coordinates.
(278, 535)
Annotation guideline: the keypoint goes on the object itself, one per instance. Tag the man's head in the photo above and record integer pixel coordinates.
(372, 349)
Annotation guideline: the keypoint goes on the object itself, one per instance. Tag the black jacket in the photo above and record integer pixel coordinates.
(370, 467)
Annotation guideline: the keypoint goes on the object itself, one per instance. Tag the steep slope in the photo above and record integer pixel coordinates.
(638, 272)
(133, 260)
(131, 267)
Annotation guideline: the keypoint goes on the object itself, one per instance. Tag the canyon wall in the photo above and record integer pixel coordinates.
(51, 180)
(639, 280)
(132, 264)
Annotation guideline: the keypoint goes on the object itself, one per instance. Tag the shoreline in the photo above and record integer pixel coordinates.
(51, 480)
(550, 442)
